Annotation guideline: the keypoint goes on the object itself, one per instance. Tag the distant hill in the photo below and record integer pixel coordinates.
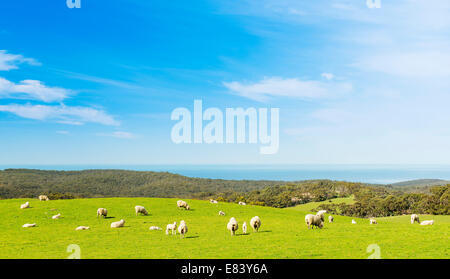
(421, 183)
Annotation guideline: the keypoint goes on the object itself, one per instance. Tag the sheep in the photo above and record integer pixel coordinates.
(244, 227)
(255, 223)
(242, 203)
(312, 221)
(321, 214)
(414, 218)
(57, 216)
(373, 221)
(221, 213)
(81, 228)
(232, 226)
(172, 227)
(29, 225)
(155, 228)
(353, 221)
(182, 228)
(183, 204)
(140, 209)
(118, 224)
(330, 219)
(43, 198)
(25, 205)
(102, 212)
(428, 222)
(212, 201)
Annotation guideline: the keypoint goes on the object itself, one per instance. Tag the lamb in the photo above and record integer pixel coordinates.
(118, 224)
(25, 205)
(102, 212)
(81, 228)
(172, 227)
(428, 222)
(414, 218)
(321, 214)
(373, 221)
(182, 229)
(313, 221)
(140, 209)
(255, 223)
(57, 216)
(244, 227)
(330, 219)
(43, 198)
(242, 203)
(29, 225)
(212, 201)
(353, 221)
(221, 213)
(183, 204)
(155, 228)
(232, 226)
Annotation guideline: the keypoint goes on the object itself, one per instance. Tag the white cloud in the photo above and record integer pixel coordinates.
(62, 114)
(118, 134)
(63, 132)
(288, 87)
(33, 90)
(10, 61)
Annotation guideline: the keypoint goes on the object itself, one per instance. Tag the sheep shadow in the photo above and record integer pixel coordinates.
(108, 217)
(196, 236)
(263, 232)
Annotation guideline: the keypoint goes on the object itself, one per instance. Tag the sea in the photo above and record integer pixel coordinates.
(375, 174)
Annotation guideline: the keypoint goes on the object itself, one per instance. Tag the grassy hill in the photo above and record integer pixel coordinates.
(283, 233)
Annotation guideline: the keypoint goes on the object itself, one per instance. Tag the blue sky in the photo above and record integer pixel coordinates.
(97, 85)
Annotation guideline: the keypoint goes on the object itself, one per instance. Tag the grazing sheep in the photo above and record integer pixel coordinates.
(312, 221)
(81, 228)
(182, 228)
(353, 221)
(57, 216)
(25, 205)
(221, 213)
(428, 222)
(212, 201)
(183, 204)
(244, 227)
(43, 198)
(373, 221)
(172, 227)
(255, 223)
(140, 209)
(414, 218)
(321, 214)
(330, 219)
(242, 203)
(232, 226)
(155, 228)
(29, 225)
(118, 224)
(102, 212)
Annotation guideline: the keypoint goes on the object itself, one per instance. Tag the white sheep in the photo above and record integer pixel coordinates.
(57, 216)
(102, 212)
(321, 214)
(353, 221)
(182, 228)
(43, 198)
(242, 203)
(212, 201)
(25, 205)
(183, 204)
(29, 225)
(221, 213)
(140, 209)
(155, 228)
(118, 224)
(232, 226)
(171, 227)
(255, 223)
(428, 222)
(244, 227)
(330, 219)
(312, 221)
(373, 221)
(414, 218)
(81, 228)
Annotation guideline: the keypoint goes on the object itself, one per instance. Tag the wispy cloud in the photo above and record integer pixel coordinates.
(288, 87)
(61, 113)
(10, 61)
(32, 90)
(118, 134)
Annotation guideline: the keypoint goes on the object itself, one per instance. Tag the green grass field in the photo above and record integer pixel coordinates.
(283, 233)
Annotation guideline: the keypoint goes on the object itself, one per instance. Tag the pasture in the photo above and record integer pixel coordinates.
(283, 233)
